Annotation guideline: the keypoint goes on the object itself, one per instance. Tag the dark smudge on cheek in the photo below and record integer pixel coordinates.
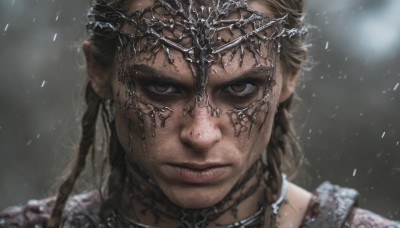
(243, 119)
(256, 113)
(142, 109)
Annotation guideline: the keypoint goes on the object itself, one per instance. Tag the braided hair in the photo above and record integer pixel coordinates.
(283, 144)
(86, 144)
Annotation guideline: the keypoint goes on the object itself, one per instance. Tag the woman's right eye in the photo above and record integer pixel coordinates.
(162, 89)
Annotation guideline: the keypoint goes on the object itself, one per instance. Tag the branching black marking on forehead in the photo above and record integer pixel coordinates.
(192, 29)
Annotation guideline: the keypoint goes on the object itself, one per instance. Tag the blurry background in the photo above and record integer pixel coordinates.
(348, 121)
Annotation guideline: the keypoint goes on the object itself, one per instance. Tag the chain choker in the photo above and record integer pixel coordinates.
(254, 220)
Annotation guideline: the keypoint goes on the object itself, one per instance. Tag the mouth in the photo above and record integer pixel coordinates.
(194, 173)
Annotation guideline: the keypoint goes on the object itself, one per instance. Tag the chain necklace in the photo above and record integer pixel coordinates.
(254, 220)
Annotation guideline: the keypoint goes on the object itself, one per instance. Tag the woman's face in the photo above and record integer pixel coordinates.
(195, 127)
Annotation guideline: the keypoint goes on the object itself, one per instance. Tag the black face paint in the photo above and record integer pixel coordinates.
(194, 30)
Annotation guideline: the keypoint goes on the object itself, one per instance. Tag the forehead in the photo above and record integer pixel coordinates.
(252, 5)
(222, 35)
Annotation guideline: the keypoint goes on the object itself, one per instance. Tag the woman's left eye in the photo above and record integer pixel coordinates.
(241, 89)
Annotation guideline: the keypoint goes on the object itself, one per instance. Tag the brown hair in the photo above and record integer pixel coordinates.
(283, 144)
(283, 141)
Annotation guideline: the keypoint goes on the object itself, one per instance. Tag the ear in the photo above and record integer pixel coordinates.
(289, 85)
(99, 76)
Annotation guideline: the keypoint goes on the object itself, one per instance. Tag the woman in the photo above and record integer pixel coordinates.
(195, 98)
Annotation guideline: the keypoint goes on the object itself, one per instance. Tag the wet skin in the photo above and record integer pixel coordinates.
(195, 153)
(200, 140)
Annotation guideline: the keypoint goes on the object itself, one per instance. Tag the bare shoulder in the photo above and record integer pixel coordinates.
(292, 212)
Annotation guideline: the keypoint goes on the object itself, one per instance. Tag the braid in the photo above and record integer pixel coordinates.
(283, 142)
(116, 177)
(88, 136)
(283, 146)
(104, 53)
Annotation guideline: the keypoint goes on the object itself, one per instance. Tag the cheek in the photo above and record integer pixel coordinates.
(257, 134)
(140, 147)
(256, 116)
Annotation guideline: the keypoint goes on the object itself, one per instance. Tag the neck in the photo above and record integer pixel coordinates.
(143, 202)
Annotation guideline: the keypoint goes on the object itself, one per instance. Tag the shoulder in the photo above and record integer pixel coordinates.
(80, 209)
(335, 206)
(35, 212)
(329, 206)
(294, 208)
(364, 218)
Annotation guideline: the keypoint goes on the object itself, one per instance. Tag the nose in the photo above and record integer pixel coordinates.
(201, 131)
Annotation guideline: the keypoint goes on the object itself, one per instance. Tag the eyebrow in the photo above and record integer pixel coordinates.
(153, 74)
(252, 73)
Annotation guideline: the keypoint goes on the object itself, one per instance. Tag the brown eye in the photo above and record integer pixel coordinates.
(241, 89)
(161, 88)
(238, 87)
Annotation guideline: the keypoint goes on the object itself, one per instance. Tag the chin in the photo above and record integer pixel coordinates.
(196, 203)
(196, 197)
